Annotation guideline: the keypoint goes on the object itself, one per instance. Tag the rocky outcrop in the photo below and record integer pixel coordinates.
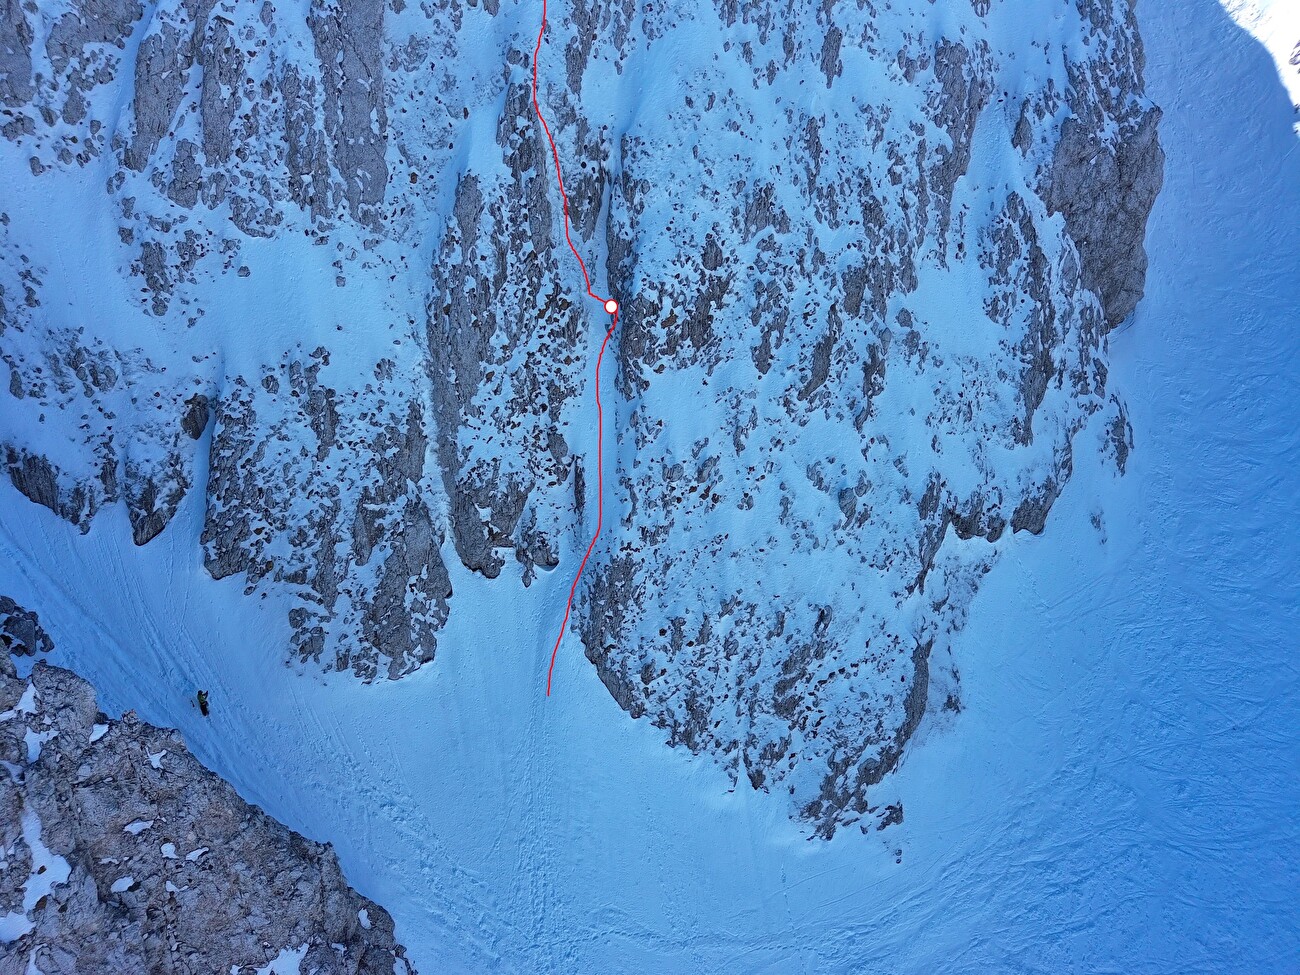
(119, 852)
(146, 459)
(1108, 167)
(346, 486)
(21, 633)
(225, 115)
(1106, 194)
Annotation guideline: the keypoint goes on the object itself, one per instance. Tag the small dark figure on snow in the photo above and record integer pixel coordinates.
(203, 703)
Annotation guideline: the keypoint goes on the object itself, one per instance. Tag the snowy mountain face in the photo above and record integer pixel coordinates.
(309, 261)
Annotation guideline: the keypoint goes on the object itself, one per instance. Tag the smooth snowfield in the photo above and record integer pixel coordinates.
(1118, 795)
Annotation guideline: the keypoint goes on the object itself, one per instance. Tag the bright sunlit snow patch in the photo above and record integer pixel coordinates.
(34, 741)
(287, 962)
(48, 869)
(1276, 24)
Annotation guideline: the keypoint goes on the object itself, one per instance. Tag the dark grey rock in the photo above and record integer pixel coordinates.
(41, 482)
(195, 419)
(20, 630)
(15, 54)
(302, 493)
(1106, 194)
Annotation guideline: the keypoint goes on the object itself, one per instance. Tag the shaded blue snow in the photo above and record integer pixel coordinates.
(1118, 795)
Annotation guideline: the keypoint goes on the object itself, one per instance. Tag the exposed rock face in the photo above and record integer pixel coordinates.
(1108, 167)
(363, 549)
(1106, 195)
(20, 630)
(859, 333)
(120, 853)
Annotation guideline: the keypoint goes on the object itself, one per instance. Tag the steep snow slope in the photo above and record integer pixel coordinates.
(1115, 795)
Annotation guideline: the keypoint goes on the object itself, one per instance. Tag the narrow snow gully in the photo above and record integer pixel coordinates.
(611, 307)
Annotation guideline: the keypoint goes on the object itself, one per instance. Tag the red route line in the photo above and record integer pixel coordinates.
(600, 419)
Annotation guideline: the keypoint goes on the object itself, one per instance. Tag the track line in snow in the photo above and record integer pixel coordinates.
(611, 307)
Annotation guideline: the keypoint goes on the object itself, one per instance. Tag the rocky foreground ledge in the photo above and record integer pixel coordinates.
(119, 852)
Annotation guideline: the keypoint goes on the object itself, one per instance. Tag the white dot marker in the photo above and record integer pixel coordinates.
(611, 306)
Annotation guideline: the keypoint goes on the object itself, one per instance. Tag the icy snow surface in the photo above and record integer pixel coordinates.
(1118, 795)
